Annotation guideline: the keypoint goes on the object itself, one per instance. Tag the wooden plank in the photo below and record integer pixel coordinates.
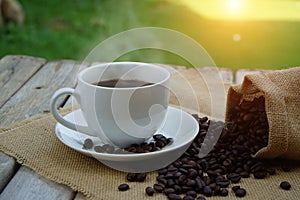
(80, 196)
(8, 167)
(34, 97)
(26, 184)
(31, 100)
(14, 72)
(224, 73)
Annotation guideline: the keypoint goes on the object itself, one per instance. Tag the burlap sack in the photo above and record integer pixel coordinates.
(281, 90)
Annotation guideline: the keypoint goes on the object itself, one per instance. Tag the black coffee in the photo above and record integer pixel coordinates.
(121, 83)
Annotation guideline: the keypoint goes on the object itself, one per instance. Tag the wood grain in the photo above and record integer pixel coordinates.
(26, 184)
(34, 97)
(30, 100)
(14, 72)
(8, 167)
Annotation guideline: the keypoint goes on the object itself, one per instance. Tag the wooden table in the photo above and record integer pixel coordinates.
(26, 85)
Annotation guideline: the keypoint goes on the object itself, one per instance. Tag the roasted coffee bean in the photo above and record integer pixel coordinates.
(223, 183)
(207, 191)
(108, 148)
(187, 197)
(260, 175)
(170, 183)
(149, 191)
(271, 171)
(99, 149)
(123, 187)
(241, 192)
(201, 198)
(223, 192)
(158, 188)
(285, 185)
(140, 177)
(162, 171)
(131, 177)
(190, 182)
(191, 193)
(177, 189)
(245, 174)
(235, 188)
(88, 143)
(169, 191)
(234, 177)
(174, 197)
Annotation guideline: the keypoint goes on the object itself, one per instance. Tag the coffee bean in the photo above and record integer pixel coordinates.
(169, 191)
(207, 191)
(271, 171)
(88, 143)
(201, 198)
(99, 149)
(131, 177)
(235, 188)
(158, 188)
(234, 177)
(174, 197)
(241, 192)
(149, 191)
(187, 197)
(223, 183)
(285, 185)
(140, 177)
(223, 192)
(123, 187)
(260, 175)
(191, 193)
(245, 174)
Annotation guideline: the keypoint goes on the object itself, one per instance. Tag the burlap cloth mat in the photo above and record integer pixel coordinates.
(33, 143)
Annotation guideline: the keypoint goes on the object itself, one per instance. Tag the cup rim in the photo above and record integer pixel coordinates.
(119, 88)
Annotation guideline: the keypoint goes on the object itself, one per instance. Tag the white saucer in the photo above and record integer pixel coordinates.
(179, 125)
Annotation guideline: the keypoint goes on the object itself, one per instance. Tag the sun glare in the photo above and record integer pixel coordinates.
(246, 9)
(234, 4)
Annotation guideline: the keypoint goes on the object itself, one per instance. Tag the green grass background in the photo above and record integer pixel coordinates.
(70, 29)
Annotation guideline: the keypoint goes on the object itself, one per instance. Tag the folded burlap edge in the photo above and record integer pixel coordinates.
(30, 164)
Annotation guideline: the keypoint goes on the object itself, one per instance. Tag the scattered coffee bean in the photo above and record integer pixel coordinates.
(223, 192)
(158, 188)
(207, 191)
(260, 175)
(229, 161)
(201, 198)
(123, 187)
(187, 197)
(241, 192)
(149, 191)
(174, 197)
(88, 144)
(191, 193)
(235, 188)
(285, 185)
(286, 168)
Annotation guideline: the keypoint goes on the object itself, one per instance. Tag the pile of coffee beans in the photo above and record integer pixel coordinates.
(195, 175)
(159, 142)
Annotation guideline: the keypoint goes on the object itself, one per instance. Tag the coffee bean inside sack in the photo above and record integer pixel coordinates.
(158, 142)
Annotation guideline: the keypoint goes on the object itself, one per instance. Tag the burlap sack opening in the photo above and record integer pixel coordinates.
(281, 90)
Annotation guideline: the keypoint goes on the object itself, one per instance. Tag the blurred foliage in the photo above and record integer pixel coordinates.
(70, 29)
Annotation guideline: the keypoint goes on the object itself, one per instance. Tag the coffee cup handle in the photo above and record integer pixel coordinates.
(59, 118)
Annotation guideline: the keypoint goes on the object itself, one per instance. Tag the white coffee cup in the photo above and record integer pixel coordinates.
(119, 116)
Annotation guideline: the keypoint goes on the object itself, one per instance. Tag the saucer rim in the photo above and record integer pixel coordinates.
(113, 156)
